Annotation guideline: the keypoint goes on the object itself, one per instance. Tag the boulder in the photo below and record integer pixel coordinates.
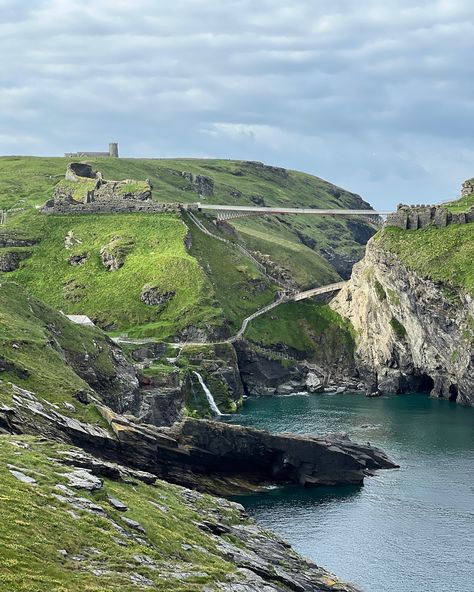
(77, 260)
(113, 254)
(10, 260)
(154, 295)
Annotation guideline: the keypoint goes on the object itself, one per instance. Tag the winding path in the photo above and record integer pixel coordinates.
(286, 297)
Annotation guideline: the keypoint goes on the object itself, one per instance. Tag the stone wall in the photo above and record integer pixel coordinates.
(112, 206)
(420, 216)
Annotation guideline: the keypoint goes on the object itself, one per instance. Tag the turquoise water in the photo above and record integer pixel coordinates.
(407, 529)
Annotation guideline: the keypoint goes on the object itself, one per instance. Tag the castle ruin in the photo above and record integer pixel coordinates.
(112, 153)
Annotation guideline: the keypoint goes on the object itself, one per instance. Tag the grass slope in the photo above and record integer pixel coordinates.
(213, 287)
(156, 256)
(310, 328)
(34, 343)
(441, 254)
(172, 553)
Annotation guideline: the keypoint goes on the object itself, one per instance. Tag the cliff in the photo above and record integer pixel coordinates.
(411, 306)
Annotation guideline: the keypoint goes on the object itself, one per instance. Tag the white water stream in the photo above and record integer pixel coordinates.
(210, 398)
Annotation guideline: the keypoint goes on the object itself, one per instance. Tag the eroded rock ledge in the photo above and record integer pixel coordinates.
(207, 455)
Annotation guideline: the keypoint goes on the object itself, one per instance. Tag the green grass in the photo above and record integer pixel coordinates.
(306, 266)
(214, 287)
(35, 344)
(440, 254)
(77, 189)
(398, 328)
(156, 255)
(462, 205)
(238, 285)
(36, 526)
(307, 327)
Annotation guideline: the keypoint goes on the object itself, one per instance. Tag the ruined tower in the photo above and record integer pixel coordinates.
(113, 149)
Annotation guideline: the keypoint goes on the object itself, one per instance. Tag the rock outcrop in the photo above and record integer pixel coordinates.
(413, 334)
(114, 253)
(164, 537)
(154, 295)
(207, 455)
(11, 260)
(201, 184)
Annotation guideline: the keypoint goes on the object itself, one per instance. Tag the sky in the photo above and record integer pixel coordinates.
(376, 96)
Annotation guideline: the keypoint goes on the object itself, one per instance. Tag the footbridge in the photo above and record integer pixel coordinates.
(227, 212)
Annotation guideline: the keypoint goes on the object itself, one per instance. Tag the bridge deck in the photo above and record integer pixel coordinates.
(313, 211)
(316, 291)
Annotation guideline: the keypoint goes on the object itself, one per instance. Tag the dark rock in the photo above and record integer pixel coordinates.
(194, 449)
(76, 260)
(200, 183)
(133, 524)
(10, 260)
(154, 295)
(79, 170)
(117, 504)
(258, 200)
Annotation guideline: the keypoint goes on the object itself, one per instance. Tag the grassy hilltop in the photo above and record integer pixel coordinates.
(212, 285)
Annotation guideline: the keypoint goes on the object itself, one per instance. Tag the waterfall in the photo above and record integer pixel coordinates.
(209, 397)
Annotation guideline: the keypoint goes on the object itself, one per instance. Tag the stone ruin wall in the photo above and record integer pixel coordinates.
(415, 217)
(421, 216)
(112, 206)
(467, 188)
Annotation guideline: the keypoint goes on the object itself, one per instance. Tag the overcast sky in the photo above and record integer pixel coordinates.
(373, 95)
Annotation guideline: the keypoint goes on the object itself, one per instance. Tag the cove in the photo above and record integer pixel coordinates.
(406, 529)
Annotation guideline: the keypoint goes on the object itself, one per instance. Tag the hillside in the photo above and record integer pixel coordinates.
(175, 282)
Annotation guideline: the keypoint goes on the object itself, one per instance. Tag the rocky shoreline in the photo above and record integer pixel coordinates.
(207, 455)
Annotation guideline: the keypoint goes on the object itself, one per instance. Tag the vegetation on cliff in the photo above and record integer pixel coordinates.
(441, 254)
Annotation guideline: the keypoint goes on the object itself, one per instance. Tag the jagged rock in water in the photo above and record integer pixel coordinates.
(413, 334)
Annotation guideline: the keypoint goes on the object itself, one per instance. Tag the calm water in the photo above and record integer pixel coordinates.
(407, 529)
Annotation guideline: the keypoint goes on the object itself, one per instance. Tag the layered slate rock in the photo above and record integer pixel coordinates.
(164, 537)
(237, 458)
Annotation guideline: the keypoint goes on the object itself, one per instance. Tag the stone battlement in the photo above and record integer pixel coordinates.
(421, 216)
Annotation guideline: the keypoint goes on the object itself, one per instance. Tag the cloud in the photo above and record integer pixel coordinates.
(378, 99)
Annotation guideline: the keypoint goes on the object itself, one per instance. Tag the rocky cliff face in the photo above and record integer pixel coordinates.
(413, 334)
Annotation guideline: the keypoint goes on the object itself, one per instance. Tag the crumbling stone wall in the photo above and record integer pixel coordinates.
(112, 206)
(421, 216)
